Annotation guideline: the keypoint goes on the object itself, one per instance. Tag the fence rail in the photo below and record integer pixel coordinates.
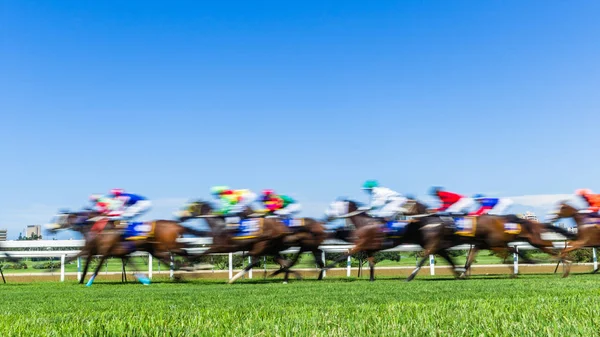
(65, 248)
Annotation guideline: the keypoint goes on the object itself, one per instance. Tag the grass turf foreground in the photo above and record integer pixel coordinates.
(533, 305)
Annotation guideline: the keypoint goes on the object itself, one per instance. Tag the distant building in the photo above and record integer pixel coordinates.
(3, 234)
(33, 231)
(528, 216)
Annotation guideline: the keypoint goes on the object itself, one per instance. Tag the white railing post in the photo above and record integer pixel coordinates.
(516, 260)
(149, 266)
(171, 267)
(230, 266)
(595, 258)
(431, 264)
(250, 271)
(78, 268)
(349, 266)
(62, 268)
(325, 262)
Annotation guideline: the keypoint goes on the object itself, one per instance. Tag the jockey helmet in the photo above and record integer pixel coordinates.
(95, 197)
(434, 190)
(218, 190)
(478, 196)
(116, 191)
(370, 184)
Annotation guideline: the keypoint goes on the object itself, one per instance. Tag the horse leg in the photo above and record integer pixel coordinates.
(286, 269)
(320, 263)
(444, 254)
(2, 273)
(85, 268)
(470, 258)
(124, 273)
(419, 265)
(142, 278)
(91, 280)
(357, 248)
(578, 244)
(371, 260)
(503, 253)
(285, 265)
(254, 262)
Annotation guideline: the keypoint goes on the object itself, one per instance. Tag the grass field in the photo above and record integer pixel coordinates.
(532, 305)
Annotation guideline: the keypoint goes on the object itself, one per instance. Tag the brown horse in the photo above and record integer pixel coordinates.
(271, 237)
(495, 232)
(80, 222)
(161, 242)
(371, 234)
(438, 233)
(588, 231)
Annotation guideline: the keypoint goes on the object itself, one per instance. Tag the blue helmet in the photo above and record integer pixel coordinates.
(478, 196)
(434, 190)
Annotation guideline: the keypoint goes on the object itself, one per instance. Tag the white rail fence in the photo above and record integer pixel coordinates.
(65, 248)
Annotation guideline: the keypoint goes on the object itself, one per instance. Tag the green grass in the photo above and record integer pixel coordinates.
(533, 305)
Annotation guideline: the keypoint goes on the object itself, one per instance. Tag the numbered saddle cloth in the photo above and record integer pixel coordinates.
(512, 228)
(288, 222)
(465, 226)
(395, 229)
(248, 229)
(138, 230)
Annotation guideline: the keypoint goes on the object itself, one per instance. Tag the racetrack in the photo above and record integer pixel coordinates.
(532, 305)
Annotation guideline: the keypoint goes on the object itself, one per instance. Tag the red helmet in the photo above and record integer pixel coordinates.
(267, 192)
(583, 192)
(116, 191)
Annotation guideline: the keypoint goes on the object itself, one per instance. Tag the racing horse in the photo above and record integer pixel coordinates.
(495, 232)
(437, 233)
(372, 234)
(588, 230)
(270, 237)
(81, 223)
(160, 241)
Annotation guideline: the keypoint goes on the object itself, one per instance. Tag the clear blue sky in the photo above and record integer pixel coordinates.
(309, 98)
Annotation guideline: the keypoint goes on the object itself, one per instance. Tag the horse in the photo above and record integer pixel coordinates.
(271, 237)
(81, 222)
(495, 232)
(588, 230)
(160, 241)
(371, 234)
(437, 233)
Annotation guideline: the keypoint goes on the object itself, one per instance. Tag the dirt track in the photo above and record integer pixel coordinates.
(312, 273)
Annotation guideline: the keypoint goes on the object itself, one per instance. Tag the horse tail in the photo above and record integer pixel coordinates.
(546, 226)
(560, 230)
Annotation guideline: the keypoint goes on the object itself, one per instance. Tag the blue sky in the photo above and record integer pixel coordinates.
(309, 98)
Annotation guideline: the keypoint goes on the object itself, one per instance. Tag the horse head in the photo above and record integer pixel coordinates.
(65, 220)
(195, 209)
(563, 210)
(344, 208)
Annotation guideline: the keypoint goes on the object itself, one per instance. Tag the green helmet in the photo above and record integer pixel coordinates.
(369, 184)
(216, 190)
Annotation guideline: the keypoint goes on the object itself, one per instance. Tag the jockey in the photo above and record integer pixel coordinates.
(281, 205)
(451, 202)
(232, 202)
(225, 197)
(492, 206)
(101, 203)
(386, 202)
(127, 206)
(592, 200)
